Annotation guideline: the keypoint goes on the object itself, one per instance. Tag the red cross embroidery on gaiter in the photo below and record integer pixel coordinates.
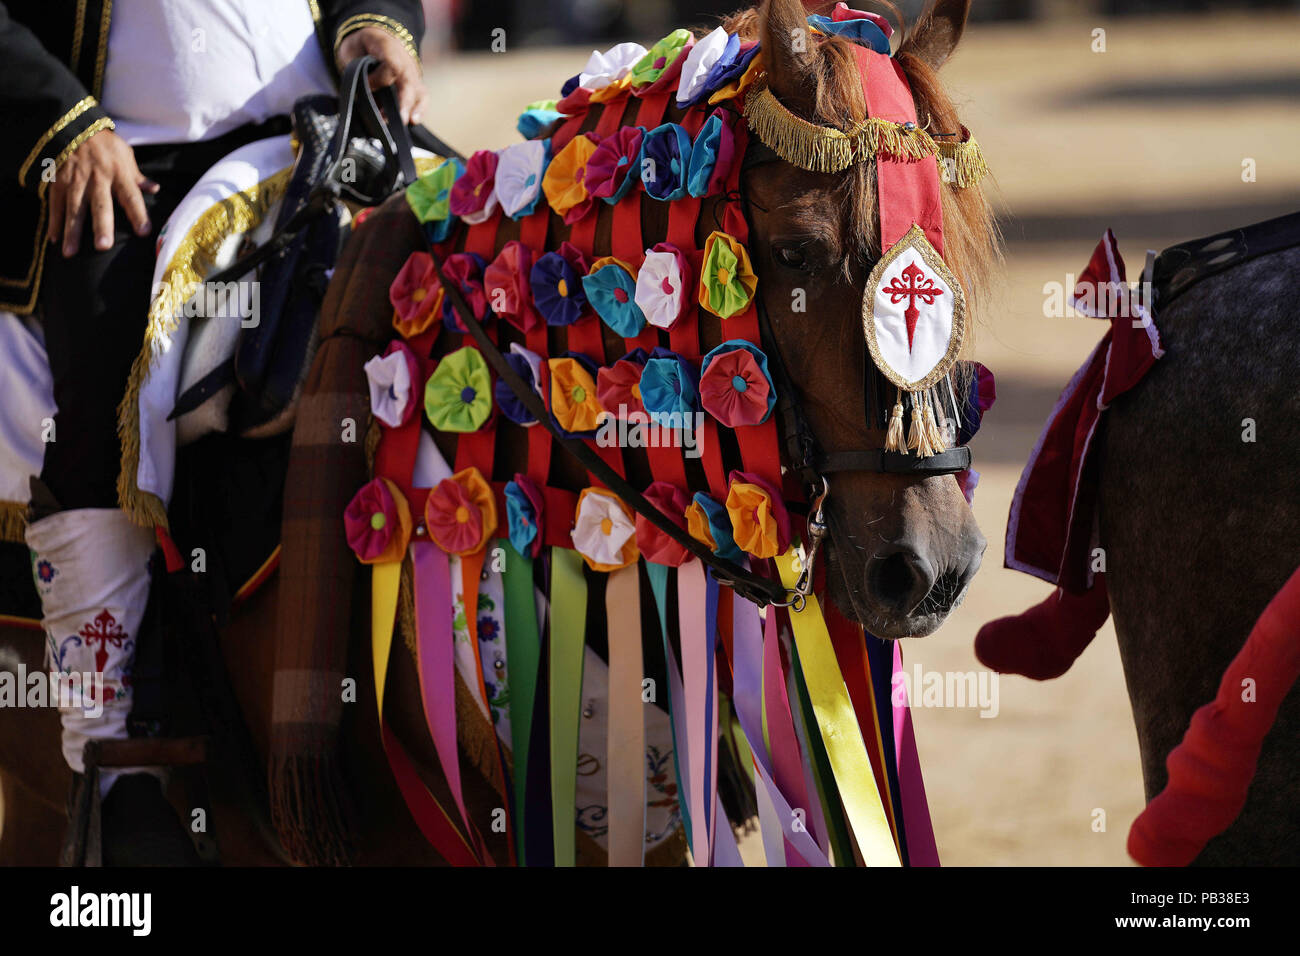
(917, 285)
(104, 630)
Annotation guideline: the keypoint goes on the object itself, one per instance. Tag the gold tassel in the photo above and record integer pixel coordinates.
(916, 434)
(932, 432)
(894, 434)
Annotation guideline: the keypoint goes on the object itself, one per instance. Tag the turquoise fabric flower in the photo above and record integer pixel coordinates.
(719, 526)
(611, 291)
(670, 389)
(524, 516)
(712, 156)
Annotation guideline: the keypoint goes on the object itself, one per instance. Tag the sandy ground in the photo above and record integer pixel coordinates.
(1149, 138)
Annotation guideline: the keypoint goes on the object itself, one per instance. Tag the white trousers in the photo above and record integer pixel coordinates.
(92, 572)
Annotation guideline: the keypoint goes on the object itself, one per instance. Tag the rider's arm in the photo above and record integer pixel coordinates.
(404, 19)
(45, 111)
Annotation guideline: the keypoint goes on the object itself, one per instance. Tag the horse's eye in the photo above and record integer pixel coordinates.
(789, 256)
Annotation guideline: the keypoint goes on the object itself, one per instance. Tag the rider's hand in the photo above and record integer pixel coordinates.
(396, 67)
(100, 170)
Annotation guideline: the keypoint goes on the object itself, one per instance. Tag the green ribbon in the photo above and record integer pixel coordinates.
(523, 649)
(837, 828)
(568, 637)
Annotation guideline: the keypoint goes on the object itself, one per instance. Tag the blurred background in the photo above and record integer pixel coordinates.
(1180, 118)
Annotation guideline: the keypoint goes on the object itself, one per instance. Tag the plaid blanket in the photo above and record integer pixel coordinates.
(318, 572)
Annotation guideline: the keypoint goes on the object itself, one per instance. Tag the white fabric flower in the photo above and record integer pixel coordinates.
(659, 291)
(390, 387)
(605, 68)
(699, 61)
(602, 528)
(519, 175)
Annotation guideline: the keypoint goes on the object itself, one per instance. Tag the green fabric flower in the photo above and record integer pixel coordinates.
(428, 196)
(458, 397)
(727, 281)
(658, 58)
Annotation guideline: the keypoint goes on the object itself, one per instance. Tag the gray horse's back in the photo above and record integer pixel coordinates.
(1201, 526)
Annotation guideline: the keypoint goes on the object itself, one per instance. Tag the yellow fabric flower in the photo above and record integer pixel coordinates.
(697, 525)
(727, 280)
(573, 396)
(736, 87)
(753, 523)
(564, 183)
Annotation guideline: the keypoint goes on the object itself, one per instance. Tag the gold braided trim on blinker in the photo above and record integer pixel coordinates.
(827, 149)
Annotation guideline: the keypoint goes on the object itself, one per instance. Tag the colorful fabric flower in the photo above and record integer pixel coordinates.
(528, 366)
(708, 521)
(556, 283)
(474, 195)
(574, 404)
(458, 395)
(603, 531)
(733, 80)
(611, 68)
(980, 397)
(712, 156)
(735, 385)
(670, 389)
(506, 284)
(610, 287)
(536, 117)
(519, 176)
(393, 378)
(727, 281)
(461, 513)
(662, 63)
(524, 504)
(868, 29)
(665, 160)
(465, 271)
(429, 198)
(655, 546)
(618, 387)
(759, 521)
(661, 285)
(416, 295)
(718, 46)
(565, 181)
(377, 522)
(615, 165)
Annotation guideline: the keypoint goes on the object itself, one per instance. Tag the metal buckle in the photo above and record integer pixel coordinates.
(817, 531)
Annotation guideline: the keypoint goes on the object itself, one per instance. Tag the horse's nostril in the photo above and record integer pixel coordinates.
(900, 581)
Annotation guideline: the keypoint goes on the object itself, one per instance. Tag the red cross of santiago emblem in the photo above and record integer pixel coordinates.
(103, 630)
(912, 284)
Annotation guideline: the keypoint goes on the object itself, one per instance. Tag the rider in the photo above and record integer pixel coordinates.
(112, 112)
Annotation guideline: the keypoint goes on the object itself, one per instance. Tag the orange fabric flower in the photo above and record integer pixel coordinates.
(564, 183)
(416, 296)
(573, 396)
(759, 521)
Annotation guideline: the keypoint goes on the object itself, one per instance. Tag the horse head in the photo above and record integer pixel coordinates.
(902, 549)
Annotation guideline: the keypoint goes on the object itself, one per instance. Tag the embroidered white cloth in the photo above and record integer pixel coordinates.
(659, 289)
(609, 67)
(178, 71)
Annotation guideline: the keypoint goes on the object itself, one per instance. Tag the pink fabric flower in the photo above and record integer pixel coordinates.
(734, 387)
(474, 195)
(506, 281)
(377, 522)
(613, 168)
(618, 387)
(454, 521)
(655, 546)
(415, 294)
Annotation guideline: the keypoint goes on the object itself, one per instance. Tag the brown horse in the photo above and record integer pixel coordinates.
(894, 540)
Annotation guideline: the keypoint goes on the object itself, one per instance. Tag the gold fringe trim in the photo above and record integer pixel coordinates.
(932, 433)
(193, 260)
(827, 149)
(13, 521)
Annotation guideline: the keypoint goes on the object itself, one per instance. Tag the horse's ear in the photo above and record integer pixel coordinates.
(790, 53)
(937, 35)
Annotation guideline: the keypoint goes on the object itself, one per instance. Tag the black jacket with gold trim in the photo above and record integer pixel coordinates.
(52, 57)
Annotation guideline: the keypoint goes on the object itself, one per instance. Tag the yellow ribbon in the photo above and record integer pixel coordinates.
(385, 579)
(839, 727)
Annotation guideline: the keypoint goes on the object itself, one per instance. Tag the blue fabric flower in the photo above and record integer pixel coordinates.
(511, 407)
(724, 60)
(523, 516)
(557, 290)
(719, 527)
(863, 32)
(670, 389)
(611, 290)
(712, 155)
(536, 117)
(723, 73)
(668, 151)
